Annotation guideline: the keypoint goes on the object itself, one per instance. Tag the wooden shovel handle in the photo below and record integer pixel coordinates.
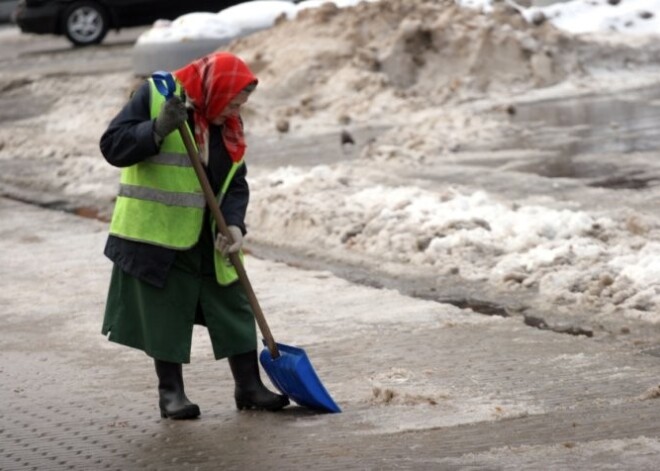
(235, 259)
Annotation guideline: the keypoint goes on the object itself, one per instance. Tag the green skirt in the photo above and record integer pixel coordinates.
(160, 321)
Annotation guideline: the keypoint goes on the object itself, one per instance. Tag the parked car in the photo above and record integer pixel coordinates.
(86, 22)
(6, 9)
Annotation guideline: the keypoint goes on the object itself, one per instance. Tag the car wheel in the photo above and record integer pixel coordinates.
(85, 23)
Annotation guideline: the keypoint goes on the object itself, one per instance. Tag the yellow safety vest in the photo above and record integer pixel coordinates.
(160, 200)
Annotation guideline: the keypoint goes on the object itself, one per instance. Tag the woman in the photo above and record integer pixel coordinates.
(170, 266)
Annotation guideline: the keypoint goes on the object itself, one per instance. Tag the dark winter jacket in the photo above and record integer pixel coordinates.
(129, 140)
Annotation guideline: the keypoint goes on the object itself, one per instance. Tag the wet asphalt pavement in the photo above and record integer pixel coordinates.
(422, 385)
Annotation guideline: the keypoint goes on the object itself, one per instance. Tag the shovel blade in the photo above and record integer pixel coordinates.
(293, 374)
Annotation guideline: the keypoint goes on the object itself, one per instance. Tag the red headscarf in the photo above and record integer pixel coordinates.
(210, 84)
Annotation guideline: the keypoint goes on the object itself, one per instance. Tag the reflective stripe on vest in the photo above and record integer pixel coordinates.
(168, 198)
(160, 200)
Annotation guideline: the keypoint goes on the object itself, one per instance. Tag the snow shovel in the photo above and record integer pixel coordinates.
(288, 367)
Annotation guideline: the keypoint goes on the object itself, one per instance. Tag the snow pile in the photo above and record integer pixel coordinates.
(415, 55)
(631, 17)
(190, 27)
(637, 17)
(569, 256)
(232, 22)
(243, 15)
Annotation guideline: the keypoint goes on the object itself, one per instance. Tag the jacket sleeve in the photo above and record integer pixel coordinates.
(234, 206)
(129, 137)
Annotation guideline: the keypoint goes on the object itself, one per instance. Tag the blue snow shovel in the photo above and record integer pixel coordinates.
(288, 367)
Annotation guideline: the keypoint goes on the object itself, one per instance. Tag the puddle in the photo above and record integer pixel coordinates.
(482, 307)
(632, 181)
(612, 124)
(593, 126)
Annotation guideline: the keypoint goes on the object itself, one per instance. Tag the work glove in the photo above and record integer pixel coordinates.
(225, 246)
(172, 114)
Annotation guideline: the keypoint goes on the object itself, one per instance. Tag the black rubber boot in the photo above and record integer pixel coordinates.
(173, 401)
(250, 392)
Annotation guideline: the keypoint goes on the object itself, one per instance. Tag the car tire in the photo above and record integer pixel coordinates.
(85, 23)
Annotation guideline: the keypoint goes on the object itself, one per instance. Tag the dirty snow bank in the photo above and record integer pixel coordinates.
(435, 72)
(570, 256)
(415, 55)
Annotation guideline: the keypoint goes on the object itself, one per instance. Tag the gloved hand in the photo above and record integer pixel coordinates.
(225, 246)
(172, 115)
